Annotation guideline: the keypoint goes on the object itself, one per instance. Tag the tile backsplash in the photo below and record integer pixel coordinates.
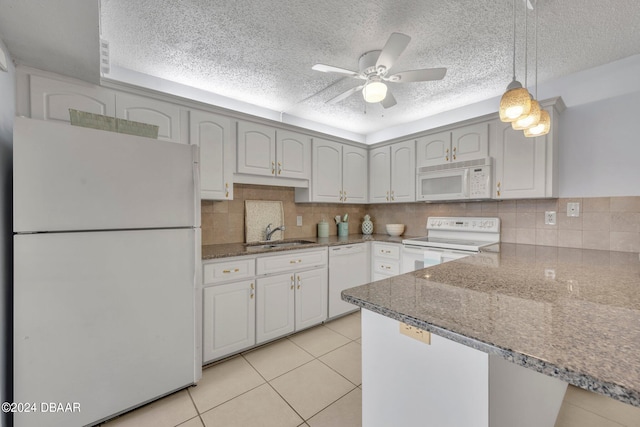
(607, 223)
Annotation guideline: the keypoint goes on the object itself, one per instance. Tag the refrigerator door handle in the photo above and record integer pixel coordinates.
(195, 150)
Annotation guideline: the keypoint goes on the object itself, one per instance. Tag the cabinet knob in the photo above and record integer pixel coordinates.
(387, 196)
(273, 168)
(251, 295)
(447, 158)
(393, 195)
(252, 286)
(498, 192)
(279, 168)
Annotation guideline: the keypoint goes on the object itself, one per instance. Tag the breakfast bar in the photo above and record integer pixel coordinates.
(499, 335)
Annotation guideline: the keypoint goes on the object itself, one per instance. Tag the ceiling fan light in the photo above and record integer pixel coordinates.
(374, 91)
(542, 128)
(530, 120)
(515, 103)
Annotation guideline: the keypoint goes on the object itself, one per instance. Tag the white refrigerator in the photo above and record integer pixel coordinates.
(107, 282)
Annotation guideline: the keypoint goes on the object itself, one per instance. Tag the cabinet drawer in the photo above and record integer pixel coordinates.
(218, 272)
(291, 261)
(386, 267)
(381, 250)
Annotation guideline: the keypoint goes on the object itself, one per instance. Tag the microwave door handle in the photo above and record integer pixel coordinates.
(465, 183)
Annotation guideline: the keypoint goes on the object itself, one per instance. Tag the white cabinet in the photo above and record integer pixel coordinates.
(229, 319)
(267, 151)
(275, 312)
(465, 143)
(392, 173)
(293, 155)
(385, 260)
(229, 307)
(151, 111)
(294, 299)
(51, 99)
(256, 149)
(525, 168)
(212, 133)
(339, 174)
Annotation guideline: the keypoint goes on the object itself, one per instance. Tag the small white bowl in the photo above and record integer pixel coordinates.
(395, 229)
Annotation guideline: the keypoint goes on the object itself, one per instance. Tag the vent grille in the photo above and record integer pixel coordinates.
(456, 165)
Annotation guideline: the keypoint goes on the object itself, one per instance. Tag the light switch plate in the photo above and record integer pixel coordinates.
(299, 220)
(415, 333)
(573, 209)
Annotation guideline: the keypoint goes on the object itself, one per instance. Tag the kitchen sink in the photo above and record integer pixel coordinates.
(277, 244)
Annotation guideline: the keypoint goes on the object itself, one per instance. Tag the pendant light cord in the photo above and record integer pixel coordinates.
(526, 43)
(514, 40)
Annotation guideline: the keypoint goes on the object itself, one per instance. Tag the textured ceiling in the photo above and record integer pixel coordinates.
(261, 52)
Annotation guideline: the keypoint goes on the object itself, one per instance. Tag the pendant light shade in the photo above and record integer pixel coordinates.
(543, 126)
(374, 91)
(515, 103)
(529, 121)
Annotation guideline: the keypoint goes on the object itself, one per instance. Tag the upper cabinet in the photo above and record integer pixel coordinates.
(525, 167)
(256, 149)
(267, 151)
(212, 133)
(392, 173)
(339, 174)
(51, 99)
(151, 111)
(458, 145)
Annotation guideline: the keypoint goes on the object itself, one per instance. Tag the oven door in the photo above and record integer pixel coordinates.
(419, 257)
(452, 184)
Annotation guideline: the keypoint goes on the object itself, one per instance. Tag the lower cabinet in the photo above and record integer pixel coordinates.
(386, 259)
(229, 319)
(290, 302)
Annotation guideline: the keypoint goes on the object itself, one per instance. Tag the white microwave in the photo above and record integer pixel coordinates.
(469, 180)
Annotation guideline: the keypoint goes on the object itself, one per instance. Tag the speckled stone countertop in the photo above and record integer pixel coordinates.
(573, 314)
(239, 249)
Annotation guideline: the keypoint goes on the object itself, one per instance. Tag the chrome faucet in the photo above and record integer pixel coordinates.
(269, 232)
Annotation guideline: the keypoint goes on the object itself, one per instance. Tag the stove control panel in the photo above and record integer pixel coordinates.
(488, 225)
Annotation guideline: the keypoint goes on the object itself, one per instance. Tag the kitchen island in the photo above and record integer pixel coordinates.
(517, 325)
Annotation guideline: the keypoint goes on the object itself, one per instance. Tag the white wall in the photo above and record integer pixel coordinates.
(7, 114)
(600, 148)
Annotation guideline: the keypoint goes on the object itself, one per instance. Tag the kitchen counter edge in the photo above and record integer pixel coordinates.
(227, 250)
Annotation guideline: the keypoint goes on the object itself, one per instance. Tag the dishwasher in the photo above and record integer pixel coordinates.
(349, 266)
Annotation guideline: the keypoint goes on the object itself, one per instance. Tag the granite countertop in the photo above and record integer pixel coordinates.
(240, 249)
(573, 314)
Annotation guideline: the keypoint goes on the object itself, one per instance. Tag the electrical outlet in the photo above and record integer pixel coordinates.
(299, 220)
(550, 218)
(573, 209)
(415, 333)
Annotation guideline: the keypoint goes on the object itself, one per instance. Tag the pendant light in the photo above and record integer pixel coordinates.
(543, 126)
(516, 101)
(533, 117)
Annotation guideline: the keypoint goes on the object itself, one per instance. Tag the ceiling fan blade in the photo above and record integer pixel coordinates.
(424, 75)
(394, 47)
(345, 95)
(388, 101)
(331, 69)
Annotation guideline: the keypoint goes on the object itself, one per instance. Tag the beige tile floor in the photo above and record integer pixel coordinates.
(313, 379)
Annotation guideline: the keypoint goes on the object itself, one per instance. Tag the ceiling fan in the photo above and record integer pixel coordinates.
(374, 66)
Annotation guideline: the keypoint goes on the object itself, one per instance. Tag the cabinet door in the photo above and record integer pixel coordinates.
(51, 99)
(293, 155)
(379, 175)
(256, 149)
(520, 163)
(151, 111)
(311, 298)
(275, 307)
(212, 133)
(433, 149)
(326, 173)
(229, 319)
(403, 172)
(354, 174)
(470, 142)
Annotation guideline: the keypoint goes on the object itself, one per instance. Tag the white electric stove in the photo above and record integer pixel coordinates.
(448, 239)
